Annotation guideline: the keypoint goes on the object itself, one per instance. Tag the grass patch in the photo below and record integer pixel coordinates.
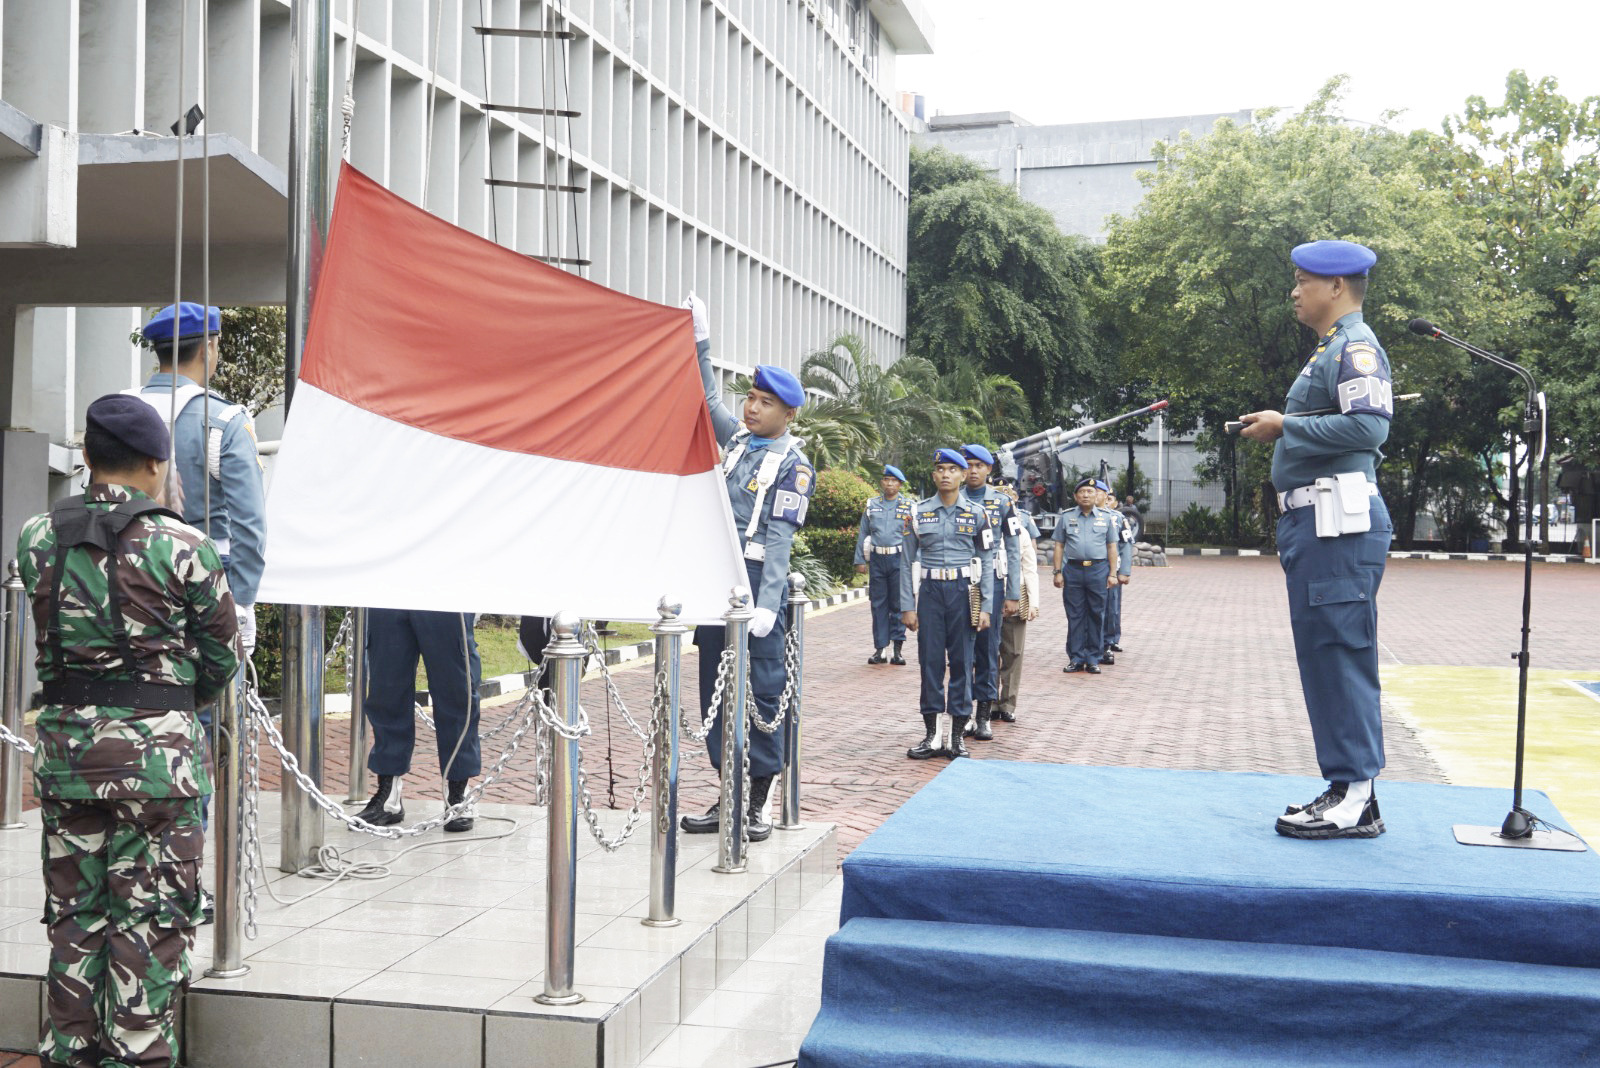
(497, 649)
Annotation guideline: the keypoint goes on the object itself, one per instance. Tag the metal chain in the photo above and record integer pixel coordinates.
(334, 809)
(591, 642)
(709, 718)
(250, 824)
(21, 744)
(791, 672)
(658, 709)
(337, 646)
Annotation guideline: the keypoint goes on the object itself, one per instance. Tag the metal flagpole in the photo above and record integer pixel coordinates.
(310, 80)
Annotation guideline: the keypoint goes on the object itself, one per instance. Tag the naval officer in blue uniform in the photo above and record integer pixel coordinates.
(1333, 535)
(213, 442)
(1084, 566)
(769, 484)
(880, 549)
(952, 550)
(1004, 592)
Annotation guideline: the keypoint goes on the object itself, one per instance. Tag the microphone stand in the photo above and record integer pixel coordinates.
(1518, 827)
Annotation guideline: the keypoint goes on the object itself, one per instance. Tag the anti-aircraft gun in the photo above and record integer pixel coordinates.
(1035, 462)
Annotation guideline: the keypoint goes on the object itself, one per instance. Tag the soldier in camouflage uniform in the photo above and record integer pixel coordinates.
(130, 643)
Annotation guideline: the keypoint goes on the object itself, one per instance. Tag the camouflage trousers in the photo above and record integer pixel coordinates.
(122, 898)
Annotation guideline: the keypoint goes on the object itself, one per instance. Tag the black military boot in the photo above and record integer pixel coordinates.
(468, 816)
(926, 748)
(756, 826)
(385, 809)
(877, 657)
(707, 824)
(958, 748)
(897, 658)
(982, 731)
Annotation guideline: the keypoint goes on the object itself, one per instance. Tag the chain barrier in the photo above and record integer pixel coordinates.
(340, 638)
(791, 672)
(591, 642)
(20, 744)
(658, 712)
(708, 719)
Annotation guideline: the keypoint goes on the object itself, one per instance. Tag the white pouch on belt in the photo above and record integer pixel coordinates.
(1343, 505)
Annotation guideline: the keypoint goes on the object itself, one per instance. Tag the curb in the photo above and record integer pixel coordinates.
(621, 654)
(1546, 558)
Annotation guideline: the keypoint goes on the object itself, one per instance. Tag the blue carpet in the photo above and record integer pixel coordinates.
(1194, 855)
(911, 994)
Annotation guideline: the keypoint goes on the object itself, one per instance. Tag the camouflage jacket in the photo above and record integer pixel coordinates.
(180, 621)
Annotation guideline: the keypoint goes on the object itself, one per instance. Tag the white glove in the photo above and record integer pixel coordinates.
(247, 627)
(702, 323)
(763, 622)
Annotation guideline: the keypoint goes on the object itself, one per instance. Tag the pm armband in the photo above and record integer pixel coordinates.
(791, 506)
(986, 538)
(1013, 525)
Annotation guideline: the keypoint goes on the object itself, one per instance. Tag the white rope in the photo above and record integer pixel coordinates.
(433, 92)
(348, 107)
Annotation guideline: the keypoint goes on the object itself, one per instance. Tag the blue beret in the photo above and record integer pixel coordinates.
(979, 453)
(1100, 485)
(1333, 257)
(1090, 481)
(893, 472)
(191, 321)
(131, 421)
(781, 384)
(950, 456)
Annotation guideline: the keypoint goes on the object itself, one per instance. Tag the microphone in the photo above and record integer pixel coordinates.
(1423, 327)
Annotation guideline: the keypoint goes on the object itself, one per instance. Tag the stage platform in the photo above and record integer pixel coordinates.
(1018, 915)
(438, 963)
(1194, 855)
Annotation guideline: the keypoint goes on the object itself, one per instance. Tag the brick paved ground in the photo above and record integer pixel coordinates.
(1208, 682)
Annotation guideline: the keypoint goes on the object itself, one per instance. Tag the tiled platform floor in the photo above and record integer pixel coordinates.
(441, 959)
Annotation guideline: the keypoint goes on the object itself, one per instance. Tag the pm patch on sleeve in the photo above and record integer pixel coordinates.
(792, 496)
(1364, 381)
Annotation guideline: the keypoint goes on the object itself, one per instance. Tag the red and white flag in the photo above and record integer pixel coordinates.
(476, 431)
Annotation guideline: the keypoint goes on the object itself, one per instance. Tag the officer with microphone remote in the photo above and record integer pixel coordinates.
(1334, 533)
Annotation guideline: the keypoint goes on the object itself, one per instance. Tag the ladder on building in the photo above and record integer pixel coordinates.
(556, 34)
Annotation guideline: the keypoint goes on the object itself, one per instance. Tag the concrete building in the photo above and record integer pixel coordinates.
(749, 150)
(1081, 173)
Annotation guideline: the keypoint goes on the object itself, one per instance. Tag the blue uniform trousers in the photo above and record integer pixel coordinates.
(883, 586)
(1083, 591)
(766, 683)
(1113, 627)
(986, 647)
(395, 639)
(945, 636)
(1333, 608)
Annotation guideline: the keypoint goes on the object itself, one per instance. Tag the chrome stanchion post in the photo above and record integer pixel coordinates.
(791, 724)
(564, 661)
(302, 733)
(11, 700)
(227, 947)
(731, 720)
(669, 634)
(357, 669)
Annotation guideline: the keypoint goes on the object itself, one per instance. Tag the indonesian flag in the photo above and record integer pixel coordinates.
(475, 431)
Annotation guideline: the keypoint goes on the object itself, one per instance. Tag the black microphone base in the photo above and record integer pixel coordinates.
(1558, 841)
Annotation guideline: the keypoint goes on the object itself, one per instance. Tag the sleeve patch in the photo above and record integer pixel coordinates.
(986, 538)
(790, 506)
(1013, 525)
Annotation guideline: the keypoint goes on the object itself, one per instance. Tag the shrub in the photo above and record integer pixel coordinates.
(835, 548)
(268, 657)
(838, 500)
(819, 581)
(1198, 525)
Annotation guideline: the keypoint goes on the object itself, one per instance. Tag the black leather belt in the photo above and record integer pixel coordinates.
(119, 694)
(1081, 563)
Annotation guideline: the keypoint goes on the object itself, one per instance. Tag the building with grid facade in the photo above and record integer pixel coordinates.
(749, 150)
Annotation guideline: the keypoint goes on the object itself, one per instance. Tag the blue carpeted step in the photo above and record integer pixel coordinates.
(936, 995)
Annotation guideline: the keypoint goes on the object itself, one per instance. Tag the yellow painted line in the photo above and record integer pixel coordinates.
(1467, 719)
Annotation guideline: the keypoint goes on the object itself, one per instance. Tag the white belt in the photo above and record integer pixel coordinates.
(1306, 496)
(888, 550)
(945, 574)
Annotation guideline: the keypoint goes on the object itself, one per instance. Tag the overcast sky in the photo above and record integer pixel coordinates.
(1060, 61)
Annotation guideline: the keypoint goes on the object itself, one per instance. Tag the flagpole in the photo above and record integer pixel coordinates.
(310, 79)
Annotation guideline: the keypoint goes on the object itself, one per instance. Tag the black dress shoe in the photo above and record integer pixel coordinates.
(1004, 715)
(707, 824)
(877, 658)
(1108, 660)
(1114, 647)
(1074, 666)
(1093, 669)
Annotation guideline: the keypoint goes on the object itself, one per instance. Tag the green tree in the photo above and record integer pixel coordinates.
(994, 285)
(1528, 172)
(1195, 284)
